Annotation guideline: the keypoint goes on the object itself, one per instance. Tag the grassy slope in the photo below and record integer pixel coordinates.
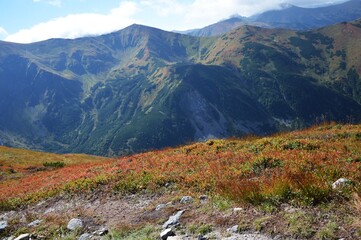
(293, 167)
(22, 172)
(263, 175)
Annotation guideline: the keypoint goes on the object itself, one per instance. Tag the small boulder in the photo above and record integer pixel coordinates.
(160, 206)
(340, 183)
(233, 229)
(201, 237)
(166, 233)
(237, 210)
(101, 232)
(25, 236)
(186, 199)
(173, 220)
(74, 224)
(85, 236)
(34, 223)
(3, 225)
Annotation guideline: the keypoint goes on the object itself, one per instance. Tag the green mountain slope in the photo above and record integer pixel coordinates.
(143, 88)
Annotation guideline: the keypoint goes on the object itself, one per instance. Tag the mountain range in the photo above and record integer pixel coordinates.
(288, 17)
(143, 88)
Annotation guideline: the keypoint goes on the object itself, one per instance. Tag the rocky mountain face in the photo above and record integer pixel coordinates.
(288, 17)
(142, 88)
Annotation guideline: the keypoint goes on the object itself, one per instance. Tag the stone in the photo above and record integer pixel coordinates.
(201, 237)
(186, 199)
(166, 233)
(174, 238)
(34, 223)
(160, 206)
(25, 236)
(233, 229)
(248, 237)
(340, 183)
(3, 225)
(173, 220)
(74, 224)
(236, 210)
(101, 232)
(85, 236)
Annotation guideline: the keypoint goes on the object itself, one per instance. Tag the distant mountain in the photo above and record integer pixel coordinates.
(223, 27)
(143, 88)
(288, 17)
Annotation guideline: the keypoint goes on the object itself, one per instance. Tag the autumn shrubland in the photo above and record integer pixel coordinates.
(297, 167)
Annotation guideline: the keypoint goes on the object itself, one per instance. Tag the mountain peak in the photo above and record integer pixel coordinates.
(286, 6)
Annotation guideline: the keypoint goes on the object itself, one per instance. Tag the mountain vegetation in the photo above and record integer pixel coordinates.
(143, 88)
(283, 184)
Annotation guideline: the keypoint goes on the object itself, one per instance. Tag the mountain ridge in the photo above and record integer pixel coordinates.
(143, 88)
(291, 17)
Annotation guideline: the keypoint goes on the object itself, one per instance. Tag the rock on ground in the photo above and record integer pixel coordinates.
(166, 234)
(3, 225)
(233, 229)
(342, 182)
(34, 223)
(74, 224)
(101, 232)
(24, 236)
(186, 199)
(85, 236)
(248, 237)
(173, 220)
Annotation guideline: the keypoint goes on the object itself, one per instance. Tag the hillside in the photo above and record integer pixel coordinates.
(281, 186)
(288, 17)
(143, 88)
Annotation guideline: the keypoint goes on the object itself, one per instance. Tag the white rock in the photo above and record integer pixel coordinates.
(160, 206)
(248, 237)
(237, 209)
(3, 225)
(186, 199)
(166, 233)
(174, 238)
(101, 232)
(74, 224)
(24, 236)
(173, 220)
(233, 229)
(85, 236)
(342, 182)
(34, 223)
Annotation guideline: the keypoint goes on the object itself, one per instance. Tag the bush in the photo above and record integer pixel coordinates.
(54, 164)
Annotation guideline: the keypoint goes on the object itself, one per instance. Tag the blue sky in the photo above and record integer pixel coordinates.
(35, 20)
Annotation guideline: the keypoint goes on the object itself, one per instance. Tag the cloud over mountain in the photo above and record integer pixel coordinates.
(164, 14)
(78, 25)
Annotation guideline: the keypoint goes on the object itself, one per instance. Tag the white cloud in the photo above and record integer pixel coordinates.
(3, 32)
(56, 3)
(78, 25)
(199, 13)
(164, 14)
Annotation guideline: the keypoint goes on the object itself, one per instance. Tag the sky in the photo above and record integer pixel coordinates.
(26, 21)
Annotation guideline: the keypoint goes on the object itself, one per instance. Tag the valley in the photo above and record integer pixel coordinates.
(143, 88)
